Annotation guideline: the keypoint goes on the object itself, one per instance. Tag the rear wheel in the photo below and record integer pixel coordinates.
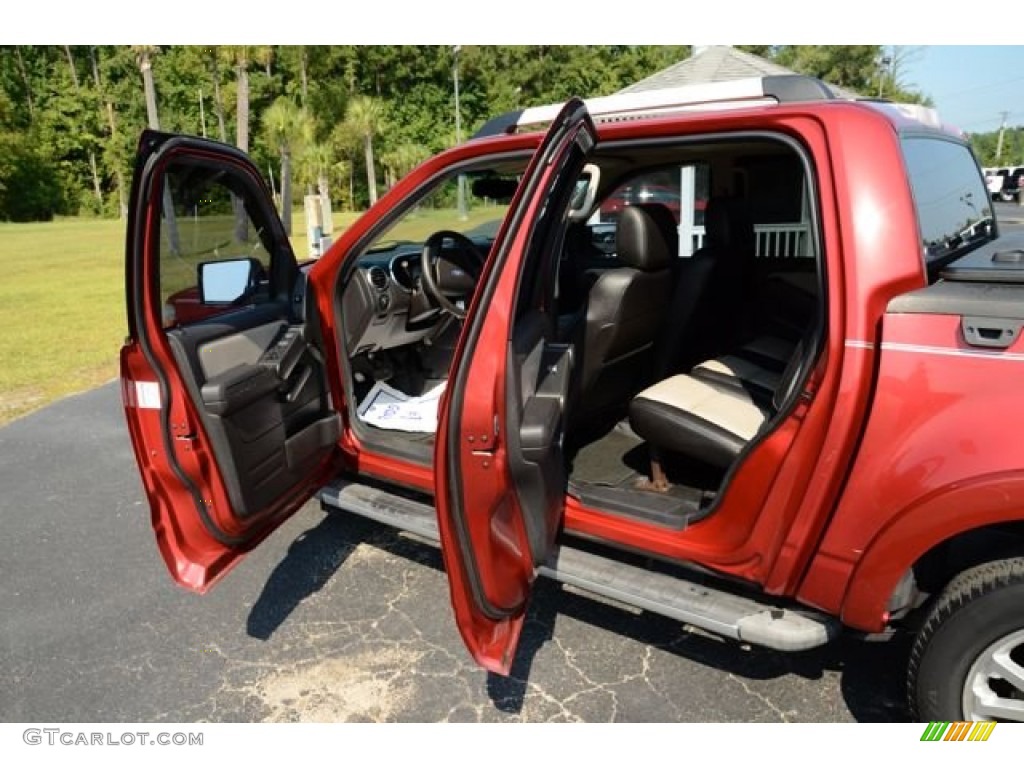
(967, 662)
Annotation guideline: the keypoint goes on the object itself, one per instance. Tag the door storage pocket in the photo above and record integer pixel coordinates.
(305, 445)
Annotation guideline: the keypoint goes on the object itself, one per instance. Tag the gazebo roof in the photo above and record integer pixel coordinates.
(715, 63)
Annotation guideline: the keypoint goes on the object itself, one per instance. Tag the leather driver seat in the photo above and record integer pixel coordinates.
(625, 309)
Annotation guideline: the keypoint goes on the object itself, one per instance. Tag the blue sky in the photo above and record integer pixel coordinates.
(970, 84)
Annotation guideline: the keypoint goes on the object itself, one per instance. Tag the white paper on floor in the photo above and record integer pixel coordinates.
(387, 408)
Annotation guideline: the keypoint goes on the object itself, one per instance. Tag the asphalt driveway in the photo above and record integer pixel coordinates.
(333, 618)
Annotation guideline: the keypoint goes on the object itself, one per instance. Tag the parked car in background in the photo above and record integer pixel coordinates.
(1013, 183)
(1004, 183)
(808, 422)
(994, 182)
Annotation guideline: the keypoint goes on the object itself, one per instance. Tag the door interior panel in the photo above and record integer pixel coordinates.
(219, 355)
(539, 375)
(219, 319)
(262, 398)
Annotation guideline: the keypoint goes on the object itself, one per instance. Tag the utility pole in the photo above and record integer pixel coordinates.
(463, 215)
(1002, 130)
(202, 113)
(883, 70)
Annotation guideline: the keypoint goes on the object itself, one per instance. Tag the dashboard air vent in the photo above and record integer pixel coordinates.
(378, 278)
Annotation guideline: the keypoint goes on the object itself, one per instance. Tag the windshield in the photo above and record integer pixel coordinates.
(473, 204)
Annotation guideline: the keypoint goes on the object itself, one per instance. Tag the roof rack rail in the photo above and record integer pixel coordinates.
(729, 94)
(918, 112)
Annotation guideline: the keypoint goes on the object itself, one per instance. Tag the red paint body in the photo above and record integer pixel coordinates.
(901, 441)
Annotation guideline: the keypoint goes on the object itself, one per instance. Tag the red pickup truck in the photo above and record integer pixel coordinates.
(788, 404)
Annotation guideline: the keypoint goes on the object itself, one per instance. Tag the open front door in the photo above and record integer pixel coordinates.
(500, 473)
(224, 392)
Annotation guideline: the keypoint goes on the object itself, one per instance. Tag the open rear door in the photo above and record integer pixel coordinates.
(500, 473)
(223, 387)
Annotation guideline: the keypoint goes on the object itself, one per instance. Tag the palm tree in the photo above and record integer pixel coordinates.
(122, 205)
(315, 163)
(264, 56)
(304, 75)
(346, 141)
(287, 129)
(317, 157)
(144, 58)
(342, 172)
(241, 56)
(214, 55)
(364, 114)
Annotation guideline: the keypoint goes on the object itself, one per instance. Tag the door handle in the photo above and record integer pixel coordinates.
(990, 332)
(295, 387)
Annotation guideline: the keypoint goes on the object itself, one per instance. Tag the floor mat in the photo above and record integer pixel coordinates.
(613, 460)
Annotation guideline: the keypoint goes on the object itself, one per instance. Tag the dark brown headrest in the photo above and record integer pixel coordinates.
(647, 238)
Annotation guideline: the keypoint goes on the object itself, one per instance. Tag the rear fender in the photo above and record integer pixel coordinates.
(936, 518)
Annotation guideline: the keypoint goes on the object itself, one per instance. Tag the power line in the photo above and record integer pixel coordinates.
(978, 88)
(1009, 115)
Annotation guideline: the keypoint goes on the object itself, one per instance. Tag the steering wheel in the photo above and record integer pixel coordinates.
(452, 272)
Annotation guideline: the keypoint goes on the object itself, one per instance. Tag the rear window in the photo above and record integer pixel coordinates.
(953, 208)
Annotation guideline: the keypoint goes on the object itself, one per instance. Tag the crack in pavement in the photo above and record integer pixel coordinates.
(783, 716)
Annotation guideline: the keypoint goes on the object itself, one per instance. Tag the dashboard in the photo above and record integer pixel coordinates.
(384, 304)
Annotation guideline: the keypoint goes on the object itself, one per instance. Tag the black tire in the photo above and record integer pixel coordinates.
(978, 608)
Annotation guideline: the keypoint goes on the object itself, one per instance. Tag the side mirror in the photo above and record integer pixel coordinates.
(224, 282)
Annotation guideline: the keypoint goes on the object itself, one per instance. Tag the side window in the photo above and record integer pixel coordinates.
(683, 190)
(213, 255)
(953, 208)
(776, 189)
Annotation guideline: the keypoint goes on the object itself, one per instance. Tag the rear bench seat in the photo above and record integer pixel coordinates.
(756, 367)
(697, 418)
(786, 310)
(713, 413)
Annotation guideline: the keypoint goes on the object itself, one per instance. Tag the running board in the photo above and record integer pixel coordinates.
(723, 613)
(383, 506)
(720, 612)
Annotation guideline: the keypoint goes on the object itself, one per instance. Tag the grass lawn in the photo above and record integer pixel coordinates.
(62, 300)
(62, 307)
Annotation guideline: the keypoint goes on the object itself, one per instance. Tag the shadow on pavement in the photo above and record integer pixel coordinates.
(871, 673)
(509, 693)
(311, 561)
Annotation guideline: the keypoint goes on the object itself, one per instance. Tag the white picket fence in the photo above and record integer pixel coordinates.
(773, 241)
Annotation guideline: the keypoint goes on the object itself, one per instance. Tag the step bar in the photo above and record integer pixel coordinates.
(722, 613)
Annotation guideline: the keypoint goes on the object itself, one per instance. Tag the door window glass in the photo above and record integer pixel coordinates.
(204, 220)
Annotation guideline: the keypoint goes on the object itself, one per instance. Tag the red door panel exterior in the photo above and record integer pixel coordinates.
(484, 540)
(198, 533)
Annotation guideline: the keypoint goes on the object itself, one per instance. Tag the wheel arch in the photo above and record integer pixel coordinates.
(950, 557)
(930, 542)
